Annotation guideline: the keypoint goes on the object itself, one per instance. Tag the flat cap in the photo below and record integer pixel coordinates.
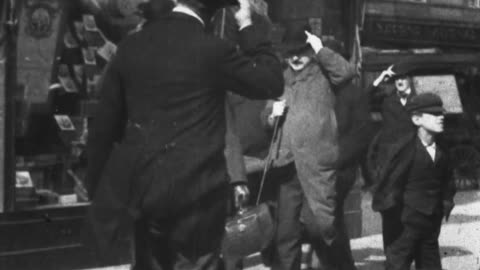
(426, 103)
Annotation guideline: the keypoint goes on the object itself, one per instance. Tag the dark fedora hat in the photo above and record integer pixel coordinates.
(215, 4)
(402, 69)
(294, 39)
(426, 103)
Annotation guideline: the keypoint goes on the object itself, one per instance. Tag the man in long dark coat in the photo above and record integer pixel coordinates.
(156, 147)
(392, 100)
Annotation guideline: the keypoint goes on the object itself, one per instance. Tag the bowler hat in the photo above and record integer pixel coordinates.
(215, 4)
(295, 39)
(402, 69)
(426, 103)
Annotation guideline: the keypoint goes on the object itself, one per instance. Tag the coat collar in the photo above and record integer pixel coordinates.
(189, 12)
(291, 77)
(185, 17)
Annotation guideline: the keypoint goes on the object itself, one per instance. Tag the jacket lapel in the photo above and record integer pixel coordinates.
(392, 154)
(438, 155)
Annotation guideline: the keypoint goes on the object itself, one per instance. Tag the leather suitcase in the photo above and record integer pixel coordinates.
(248, 232)
(252, 229)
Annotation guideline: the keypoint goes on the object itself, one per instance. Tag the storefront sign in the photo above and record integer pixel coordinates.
(420, 33)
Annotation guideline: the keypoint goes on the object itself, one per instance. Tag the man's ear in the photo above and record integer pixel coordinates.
(416, 119)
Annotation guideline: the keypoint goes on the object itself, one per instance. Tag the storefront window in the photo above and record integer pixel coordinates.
(474, 3)
(61, 48)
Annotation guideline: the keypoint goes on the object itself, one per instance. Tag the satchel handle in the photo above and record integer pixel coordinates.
(269, 158)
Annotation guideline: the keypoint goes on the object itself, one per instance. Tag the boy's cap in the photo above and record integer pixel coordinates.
(426, 103)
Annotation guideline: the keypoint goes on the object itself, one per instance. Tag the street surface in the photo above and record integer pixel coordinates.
(459, 239)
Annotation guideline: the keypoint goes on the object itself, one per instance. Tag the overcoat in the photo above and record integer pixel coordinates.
(396, 121)
(162, 114)
(309, 136)
(355, 126)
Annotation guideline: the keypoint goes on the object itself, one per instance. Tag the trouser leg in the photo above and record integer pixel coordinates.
(188, 240)
(417, 240)
(400, 252)
(288, 238)
(391, 225)
(338, 255)
(427, 256)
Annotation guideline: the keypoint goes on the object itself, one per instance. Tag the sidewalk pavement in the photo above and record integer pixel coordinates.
(459, 239)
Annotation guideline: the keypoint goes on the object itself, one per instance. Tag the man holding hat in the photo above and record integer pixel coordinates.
(156, 146)
(393, 102)
(395, 118)
(307, 144)
(414, 189)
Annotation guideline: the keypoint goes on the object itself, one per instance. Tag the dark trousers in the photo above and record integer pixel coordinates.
(187, 240)
(286, 251)
(338, 255)
(410, 235)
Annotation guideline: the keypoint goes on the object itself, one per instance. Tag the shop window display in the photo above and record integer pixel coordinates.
(61, 48)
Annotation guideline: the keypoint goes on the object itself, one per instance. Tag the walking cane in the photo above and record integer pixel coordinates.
(269, 159)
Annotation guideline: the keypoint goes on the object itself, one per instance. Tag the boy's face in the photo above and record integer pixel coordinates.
(402, 84)
(430, 122)
(298, 63)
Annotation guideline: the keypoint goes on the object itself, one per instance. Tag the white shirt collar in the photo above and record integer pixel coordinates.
(403, 100)
(186, 10)
(432, 145)
(408, 92)
(431, 149)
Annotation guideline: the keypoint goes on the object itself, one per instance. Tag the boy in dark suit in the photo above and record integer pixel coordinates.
(414, 190)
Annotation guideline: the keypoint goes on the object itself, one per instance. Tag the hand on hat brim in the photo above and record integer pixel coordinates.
(314, 41)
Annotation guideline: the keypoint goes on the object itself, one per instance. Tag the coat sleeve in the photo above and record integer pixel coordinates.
(107, 125)
(376, 94)
(448, 187)
(265, 113)
(254, 70)
(337, 68)
(233, 148)
(354, 144)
